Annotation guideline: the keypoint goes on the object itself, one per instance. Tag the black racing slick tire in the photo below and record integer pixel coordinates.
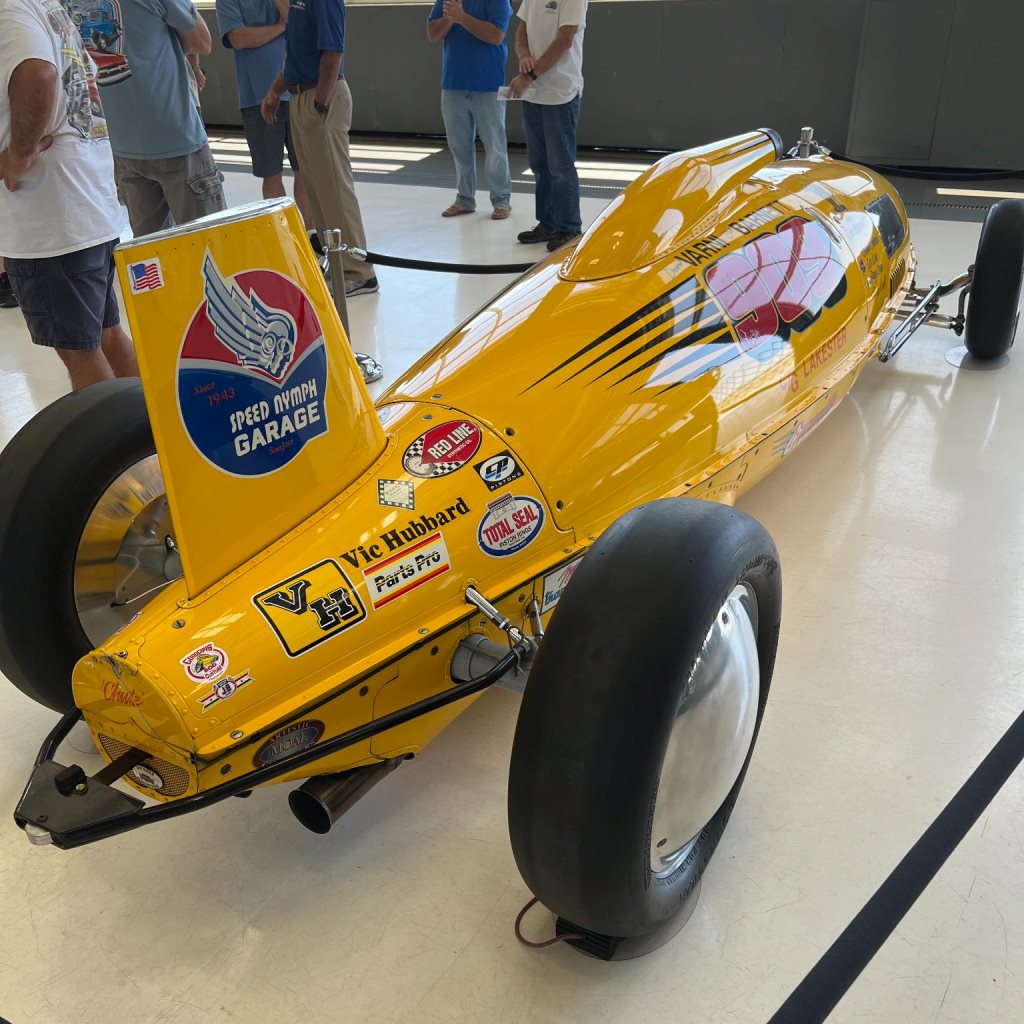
(605, 762)
(992, 307)
(52, 475)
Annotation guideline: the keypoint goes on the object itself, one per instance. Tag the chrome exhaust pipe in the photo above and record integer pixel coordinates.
(318, 803)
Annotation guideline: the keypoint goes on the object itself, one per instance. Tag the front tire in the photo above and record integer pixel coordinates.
(641, 712)
(992, 307)
(84, 534)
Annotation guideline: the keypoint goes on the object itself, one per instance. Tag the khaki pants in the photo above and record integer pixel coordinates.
(172, 190)
(321, 148)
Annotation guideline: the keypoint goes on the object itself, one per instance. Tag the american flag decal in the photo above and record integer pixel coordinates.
(146, 276)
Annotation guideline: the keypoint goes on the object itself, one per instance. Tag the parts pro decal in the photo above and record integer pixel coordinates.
(252, 372)
(310, 607)
(511, 523)
(396, 576)
(442, 449)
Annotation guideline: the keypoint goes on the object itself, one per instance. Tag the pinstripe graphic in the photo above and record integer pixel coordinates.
(689, 319)
(709, 328)
(683, 307)
(675, 293)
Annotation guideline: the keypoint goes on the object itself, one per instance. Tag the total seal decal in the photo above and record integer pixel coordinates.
(397, 575)
(252, 372)
(205, 663)
(554, 584)
(511, 523)
(289, 740)
(442, 449)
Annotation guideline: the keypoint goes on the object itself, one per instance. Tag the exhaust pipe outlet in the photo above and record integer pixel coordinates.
(320, 802)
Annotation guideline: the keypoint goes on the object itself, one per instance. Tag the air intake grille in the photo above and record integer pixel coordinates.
(896, 278)
(174, 778)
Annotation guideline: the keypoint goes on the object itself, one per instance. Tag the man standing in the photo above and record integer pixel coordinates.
(472, 70)
(59, 215)
(549, 43)
(162, 160)
(321, 116)
(254, 29)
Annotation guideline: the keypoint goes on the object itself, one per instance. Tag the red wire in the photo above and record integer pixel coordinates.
(546, 942)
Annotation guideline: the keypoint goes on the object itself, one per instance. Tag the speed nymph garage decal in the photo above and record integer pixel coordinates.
(252, 372)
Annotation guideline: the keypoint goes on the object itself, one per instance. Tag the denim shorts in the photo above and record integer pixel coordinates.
(268, 142)
(68, 300)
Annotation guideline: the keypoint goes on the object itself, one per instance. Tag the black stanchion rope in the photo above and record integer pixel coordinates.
(447, 268)
(827, 982)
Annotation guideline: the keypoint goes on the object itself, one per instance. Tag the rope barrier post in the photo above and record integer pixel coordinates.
(334, 247)
(370, 369)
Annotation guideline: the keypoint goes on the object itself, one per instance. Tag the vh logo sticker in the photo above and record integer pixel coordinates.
(310, 607)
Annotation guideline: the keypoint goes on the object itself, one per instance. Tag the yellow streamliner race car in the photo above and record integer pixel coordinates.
(243, 571)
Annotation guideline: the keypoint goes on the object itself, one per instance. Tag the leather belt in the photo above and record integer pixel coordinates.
(301, 87)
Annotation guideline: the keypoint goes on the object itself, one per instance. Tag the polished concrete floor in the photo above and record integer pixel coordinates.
(901, 663)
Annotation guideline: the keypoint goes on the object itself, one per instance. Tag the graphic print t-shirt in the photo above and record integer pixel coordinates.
(143, 75)
(67, 201)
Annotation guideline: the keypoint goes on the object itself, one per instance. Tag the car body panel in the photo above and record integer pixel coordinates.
(609, 375)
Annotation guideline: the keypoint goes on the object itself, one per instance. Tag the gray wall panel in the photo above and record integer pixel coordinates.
(979, 119)
(819, 68)
(884, 80)
(723, 69)
(899, 79)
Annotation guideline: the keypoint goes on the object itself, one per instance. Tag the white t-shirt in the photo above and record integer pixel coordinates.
(67, 201)
(543, 19)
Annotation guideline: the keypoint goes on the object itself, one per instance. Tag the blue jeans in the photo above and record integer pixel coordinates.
(551, 147)
(466, 114)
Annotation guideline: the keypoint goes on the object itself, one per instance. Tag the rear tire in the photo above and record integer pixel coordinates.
(54, 472)
(992, 307)
(598, 757)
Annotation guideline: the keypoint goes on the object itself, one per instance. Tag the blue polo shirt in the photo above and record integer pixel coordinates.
(313, 26)
(255, 67)
(469, 64)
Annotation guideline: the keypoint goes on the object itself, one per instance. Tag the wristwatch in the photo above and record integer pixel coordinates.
(532, 74)
(321, 108)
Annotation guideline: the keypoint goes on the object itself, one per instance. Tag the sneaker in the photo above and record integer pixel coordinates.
(7, 299)
(556, 241)
(361, 287)
(537, 234)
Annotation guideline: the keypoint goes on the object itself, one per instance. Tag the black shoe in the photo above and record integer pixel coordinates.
(367, 287)
(561, 238)
(7, 299)
(537, 234)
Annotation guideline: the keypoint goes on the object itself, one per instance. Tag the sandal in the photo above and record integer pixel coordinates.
(455, 211)
(501, 213)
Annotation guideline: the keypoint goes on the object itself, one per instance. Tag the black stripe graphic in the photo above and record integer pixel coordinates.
(680, 308)
(710, 329)
(654, 304)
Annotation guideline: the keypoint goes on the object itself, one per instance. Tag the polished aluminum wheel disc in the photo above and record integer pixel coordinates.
(711, 732)
(127, 553)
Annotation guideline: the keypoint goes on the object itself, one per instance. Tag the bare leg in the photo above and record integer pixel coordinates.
(302, 202)
(273, 187)
(85, 367)
(119, 352)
